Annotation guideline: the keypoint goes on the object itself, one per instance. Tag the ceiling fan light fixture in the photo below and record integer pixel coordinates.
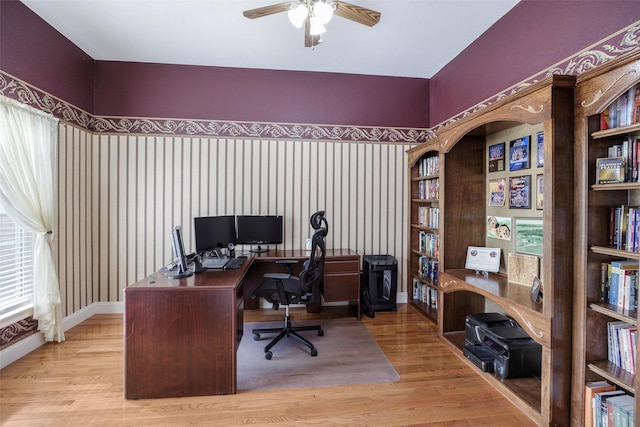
(298, 14)
(315, 27)
(322, 11)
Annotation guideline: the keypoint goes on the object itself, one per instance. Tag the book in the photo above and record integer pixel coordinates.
(604, 119)
(591, 388)
(600, 406)
(619, 270)
(610, 170)
(636, 108)
(617, 410)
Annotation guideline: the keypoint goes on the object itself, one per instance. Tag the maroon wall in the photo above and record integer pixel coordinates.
(531, 37)
(33, 51)
(237, 94)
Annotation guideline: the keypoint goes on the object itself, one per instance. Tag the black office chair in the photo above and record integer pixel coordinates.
(285, 289)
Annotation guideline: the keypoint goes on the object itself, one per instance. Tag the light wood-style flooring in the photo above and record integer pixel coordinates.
(80, 383)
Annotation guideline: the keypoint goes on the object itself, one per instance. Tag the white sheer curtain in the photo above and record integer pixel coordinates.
(28, 145)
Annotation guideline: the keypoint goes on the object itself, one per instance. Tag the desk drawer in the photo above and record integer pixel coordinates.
(341, 287)
(346, 266)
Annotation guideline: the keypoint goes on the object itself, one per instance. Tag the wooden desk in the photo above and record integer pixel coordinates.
(341, 274)
(181, 336)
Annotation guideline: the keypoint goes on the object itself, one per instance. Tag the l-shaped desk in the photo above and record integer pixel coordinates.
(181, 335)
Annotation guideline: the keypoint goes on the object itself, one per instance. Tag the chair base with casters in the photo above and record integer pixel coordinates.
(287, 331)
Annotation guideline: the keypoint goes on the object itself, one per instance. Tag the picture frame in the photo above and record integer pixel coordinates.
(520, 192)
(497, 188)
(483, 259)
(536, 290)
(529, 236)
(540, 149)
(496, 157)
(499, 227)
(519, 153)
(540, 191)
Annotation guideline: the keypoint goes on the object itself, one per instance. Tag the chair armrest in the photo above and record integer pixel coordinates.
(277, 276)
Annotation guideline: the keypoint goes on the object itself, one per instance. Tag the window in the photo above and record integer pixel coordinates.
(16, 271)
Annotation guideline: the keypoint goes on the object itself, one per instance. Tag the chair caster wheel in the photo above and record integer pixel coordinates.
(268, 355)
(320, 333)
(314, 352)
(256, 337)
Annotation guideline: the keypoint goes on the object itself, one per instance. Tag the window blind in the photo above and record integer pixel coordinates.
(16, 267)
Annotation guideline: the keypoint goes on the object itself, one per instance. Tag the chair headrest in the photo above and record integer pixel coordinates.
(317, 221)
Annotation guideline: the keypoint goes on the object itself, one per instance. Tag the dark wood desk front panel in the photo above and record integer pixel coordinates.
(181, 336)
(341, 277)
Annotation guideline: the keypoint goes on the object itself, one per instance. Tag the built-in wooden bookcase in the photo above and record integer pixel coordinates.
(464, 204)
(596, 90)
(424, 234)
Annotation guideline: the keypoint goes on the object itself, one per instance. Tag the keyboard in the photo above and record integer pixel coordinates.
(214, 262)
(235, 263)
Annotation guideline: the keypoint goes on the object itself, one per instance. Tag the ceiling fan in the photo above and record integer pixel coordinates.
(314, 14)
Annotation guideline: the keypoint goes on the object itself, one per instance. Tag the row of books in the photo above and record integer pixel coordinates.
(428, 243)
(622, 340)
(429, 216)
(624, 228)
(425, 293)
(619, 284)
(621, 163)
(605, 406)
(428, 268)
(624, 111)
(429, 189)
(429, 166)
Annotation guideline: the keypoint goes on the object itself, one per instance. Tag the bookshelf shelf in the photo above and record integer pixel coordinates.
(624, 130)
(596, 91)
(614, 374)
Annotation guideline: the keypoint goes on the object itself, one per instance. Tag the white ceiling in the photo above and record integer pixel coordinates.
(414, 38)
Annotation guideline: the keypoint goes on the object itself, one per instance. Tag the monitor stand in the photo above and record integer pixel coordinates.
(259, 249)
(179, 274)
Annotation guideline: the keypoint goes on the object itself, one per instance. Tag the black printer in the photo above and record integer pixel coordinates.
(496, 343)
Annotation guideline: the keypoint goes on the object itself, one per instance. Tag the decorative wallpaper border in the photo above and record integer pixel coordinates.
(616, 45)
(21, 91)
(597, 54)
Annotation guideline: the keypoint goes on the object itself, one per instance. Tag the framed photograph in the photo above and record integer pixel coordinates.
(539, 191)
(496, 157)
(540, 152)
(529, 236)
(519, 150)
(497, 188)
(499, 227)
(520, 192)
(536, 290)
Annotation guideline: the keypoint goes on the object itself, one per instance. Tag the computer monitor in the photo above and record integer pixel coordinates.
(258, 230)
(178, 252)
(214, 232)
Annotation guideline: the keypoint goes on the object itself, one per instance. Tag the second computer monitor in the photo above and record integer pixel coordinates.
(214, 232)
(259, 230)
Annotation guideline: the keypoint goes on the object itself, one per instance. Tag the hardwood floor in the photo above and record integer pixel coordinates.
(79, 382)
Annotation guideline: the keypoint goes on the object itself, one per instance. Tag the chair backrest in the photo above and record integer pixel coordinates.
(313, 270)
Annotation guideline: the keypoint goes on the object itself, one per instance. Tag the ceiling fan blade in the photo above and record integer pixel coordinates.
(269, 10)
(309, 40)
(356, 13)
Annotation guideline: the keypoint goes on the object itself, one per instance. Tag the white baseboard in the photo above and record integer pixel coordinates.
(32, 342)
